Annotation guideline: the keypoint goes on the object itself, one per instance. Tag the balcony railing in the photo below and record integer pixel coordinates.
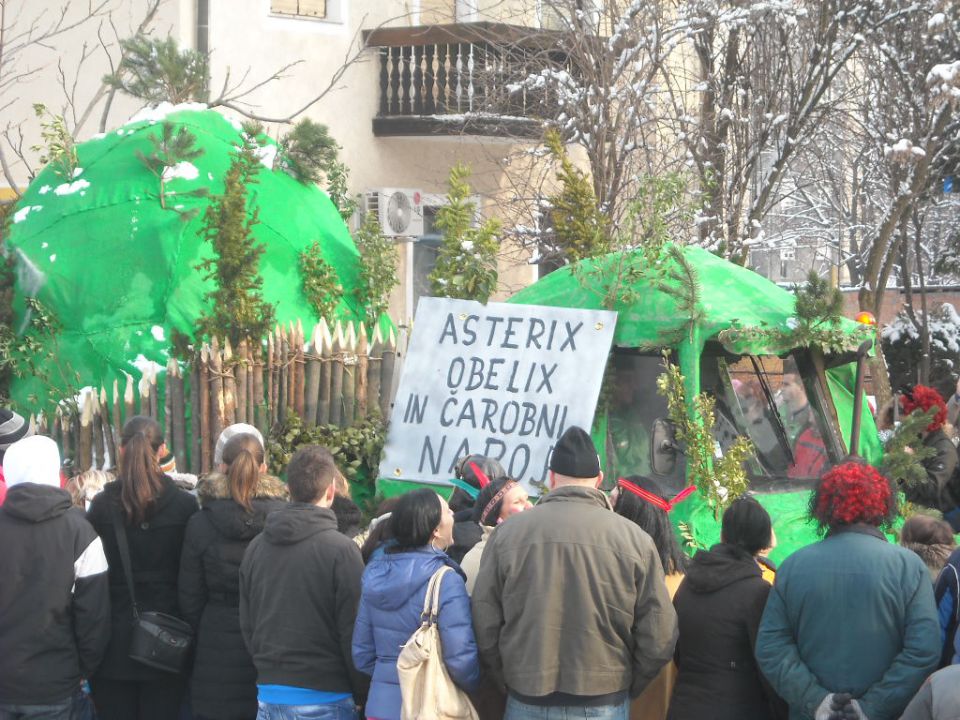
(462, 79)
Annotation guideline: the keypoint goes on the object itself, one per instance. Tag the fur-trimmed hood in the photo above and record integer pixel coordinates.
(214, 487)
(229, 518)
(934, 556)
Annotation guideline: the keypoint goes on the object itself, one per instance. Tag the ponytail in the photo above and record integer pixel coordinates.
(141, 479)
(243, 456)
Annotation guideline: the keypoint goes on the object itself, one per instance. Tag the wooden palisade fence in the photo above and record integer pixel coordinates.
(336, 377)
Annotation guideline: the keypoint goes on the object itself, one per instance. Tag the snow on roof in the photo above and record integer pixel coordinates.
(185, 170)
(71, 188)
(160, 112)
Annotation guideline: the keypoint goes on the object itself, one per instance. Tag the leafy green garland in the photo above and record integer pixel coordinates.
(819, 312)
(719, 479)
(355, 449)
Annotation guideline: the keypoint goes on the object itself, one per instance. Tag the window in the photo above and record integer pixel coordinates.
(771, 401)
(426, 248)
(318, 9)
(203, 27)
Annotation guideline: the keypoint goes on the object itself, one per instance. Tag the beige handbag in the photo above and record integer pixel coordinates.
(426, 688)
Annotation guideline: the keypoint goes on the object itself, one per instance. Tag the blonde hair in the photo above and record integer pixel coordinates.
(86, 485)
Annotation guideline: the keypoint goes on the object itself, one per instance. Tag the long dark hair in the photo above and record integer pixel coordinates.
(141, 479)
(414, 519)
(382, 531)
(243, 456)
(652, 520)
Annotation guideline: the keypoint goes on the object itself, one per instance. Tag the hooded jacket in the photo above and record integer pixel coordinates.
(299, 591)
(719, 605)
(851, 613)
(394, 589)
(224, 681)
(155, 547)
(570, 598)
(54, 599)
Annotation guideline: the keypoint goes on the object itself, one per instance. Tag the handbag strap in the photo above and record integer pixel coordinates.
(120, 529)
(431, 599)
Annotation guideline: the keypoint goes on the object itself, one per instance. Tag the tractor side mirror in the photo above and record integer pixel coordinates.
(663, 447)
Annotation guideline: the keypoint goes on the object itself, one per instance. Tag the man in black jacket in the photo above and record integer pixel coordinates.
(299, 593)
(54, 597)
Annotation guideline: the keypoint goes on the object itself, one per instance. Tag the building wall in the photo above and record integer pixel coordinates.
(247, 38)
(83, 77)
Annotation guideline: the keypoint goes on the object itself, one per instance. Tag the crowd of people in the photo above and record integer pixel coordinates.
(582, 606)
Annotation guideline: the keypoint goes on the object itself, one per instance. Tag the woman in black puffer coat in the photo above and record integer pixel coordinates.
(235, 504)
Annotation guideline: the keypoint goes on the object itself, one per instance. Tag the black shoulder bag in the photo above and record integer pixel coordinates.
(159, 640)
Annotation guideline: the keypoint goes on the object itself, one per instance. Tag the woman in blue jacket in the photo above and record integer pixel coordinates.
(394, 588)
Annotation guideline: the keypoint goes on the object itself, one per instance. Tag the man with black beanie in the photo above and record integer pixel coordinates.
(570, 607)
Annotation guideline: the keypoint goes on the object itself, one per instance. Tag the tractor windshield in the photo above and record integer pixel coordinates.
(764, 398)
(768, 400)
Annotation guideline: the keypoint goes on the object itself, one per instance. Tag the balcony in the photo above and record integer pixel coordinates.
(456, 80)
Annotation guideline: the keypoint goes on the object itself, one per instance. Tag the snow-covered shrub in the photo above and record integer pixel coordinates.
(903, 348)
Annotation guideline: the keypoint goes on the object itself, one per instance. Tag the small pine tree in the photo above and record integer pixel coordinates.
(171, 147)
(580, 229)
(378, 269)
(156, 70)
(321, 286)
(58, 148)
(904, 451)
(311, 155)
(467, 262)
(238, 309)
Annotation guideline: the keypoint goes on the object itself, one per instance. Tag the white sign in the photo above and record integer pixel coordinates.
(498, 380)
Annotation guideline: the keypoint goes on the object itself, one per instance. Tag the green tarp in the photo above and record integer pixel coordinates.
(119, 272)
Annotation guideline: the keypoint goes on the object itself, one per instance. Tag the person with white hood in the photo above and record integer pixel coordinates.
(54, 597)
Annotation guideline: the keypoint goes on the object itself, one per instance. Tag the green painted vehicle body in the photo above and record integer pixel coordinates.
(730, 298)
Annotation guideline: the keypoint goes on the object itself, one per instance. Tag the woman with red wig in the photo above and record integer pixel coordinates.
(851, 620)
(940, 491)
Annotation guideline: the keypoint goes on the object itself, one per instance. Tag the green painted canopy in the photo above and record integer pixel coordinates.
(118, 271)
(731, 297)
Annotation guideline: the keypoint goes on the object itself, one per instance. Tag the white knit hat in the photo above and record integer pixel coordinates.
(35, 459)
(229, 432)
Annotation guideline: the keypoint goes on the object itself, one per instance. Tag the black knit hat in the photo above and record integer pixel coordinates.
(12, 428)
(574, 455)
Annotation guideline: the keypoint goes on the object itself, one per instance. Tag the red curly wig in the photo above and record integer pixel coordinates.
(923, 398)
(853, 492)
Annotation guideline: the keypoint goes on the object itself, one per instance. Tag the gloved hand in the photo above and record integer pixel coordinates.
(839, 706)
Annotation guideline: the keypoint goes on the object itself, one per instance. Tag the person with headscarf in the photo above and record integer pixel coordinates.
(641, 500)
(473, 472)
(497, 501)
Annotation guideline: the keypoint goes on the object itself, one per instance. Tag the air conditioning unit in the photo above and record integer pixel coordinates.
(399, 211)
